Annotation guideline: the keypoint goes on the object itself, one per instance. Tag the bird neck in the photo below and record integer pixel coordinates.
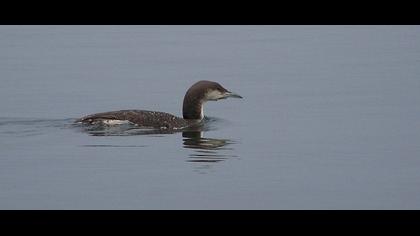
(192, 108)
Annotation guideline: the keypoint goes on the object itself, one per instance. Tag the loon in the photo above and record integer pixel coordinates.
(192, 110)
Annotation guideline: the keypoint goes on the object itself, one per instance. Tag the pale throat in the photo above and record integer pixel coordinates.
(210, 96)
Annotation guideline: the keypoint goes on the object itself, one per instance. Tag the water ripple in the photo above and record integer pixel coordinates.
(25, 127)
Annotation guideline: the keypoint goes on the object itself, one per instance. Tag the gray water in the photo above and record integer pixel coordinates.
(330, 117)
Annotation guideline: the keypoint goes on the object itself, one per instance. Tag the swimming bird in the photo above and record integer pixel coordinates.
(192, 110)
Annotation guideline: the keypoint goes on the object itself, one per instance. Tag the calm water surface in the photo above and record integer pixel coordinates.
(330, 117)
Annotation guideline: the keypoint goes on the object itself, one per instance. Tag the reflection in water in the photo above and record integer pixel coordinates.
(206, 151)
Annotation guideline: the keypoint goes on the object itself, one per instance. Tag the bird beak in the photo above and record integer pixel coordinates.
(229, 94)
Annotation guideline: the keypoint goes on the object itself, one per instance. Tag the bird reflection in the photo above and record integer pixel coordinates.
(207, 150)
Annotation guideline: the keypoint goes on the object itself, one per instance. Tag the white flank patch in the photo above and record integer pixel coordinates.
(115, 122)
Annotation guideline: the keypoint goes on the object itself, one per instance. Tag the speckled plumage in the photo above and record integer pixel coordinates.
(142, 118)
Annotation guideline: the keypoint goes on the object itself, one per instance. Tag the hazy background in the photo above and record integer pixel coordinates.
(330, 117)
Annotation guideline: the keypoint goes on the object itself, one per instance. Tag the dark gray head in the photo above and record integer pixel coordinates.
(201, 92)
